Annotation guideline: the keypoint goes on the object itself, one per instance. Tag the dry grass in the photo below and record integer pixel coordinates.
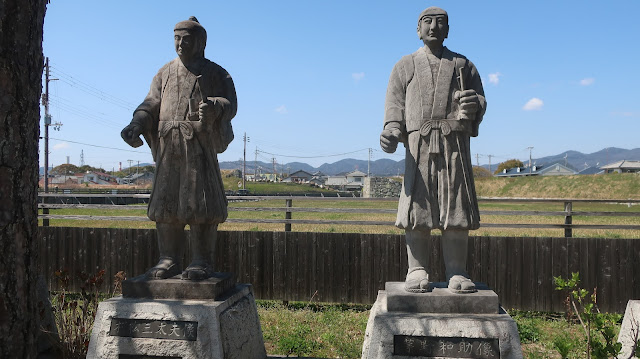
(613, 186)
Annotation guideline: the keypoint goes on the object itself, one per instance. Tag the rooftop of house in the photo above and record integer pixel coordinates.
(622, 164)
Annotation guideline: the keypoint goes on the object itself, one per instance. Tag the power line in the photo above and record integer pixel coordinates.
(334, 155)
(90, 89)
(87, 144)
(60, 103)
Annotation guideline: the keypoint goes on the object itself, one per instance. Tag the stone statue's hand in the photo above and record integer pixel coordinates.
(209, 110)
(468, 100)
(131, 134)
(389, 139)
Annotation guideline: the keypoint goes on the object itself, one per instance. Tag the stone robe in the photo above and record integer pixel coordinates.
(188, 187)
(438, 189)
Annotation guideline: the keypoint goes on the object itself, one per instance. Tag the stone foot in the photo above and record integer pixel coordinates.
(417, 280)
(197, 271)
(461, 284)
(166, 268)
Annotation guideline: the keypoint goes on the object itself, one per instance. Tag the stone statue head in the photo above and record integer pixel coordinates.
(190, 39)
(433, 25)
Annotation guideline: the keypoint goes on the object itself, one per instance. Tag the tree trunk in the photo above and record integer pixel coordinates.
(21, 65)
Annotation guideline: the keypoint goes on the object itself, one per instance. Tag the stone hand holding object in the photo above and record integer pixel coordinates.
(131, 133)
(389, 139)
(468, 100)
(209, 110)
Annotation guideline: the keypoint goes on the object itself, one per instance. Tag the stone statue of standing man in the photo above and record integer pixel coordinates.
(186, 121)
(434, 105)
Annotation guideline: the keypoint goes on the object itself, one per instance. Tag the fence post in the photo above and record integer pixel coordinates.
(568, 219)
(287, 215)
(45, 222)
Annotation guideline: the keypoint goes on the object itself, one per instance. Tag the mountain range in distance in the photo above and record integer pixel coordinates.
(387, 167)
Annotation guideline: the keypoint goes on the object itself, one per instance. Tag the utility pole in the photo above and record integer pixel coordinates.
(530, 168)
(138, 168)
(275, 175)
(255, 166)
(244, 159)
(369, 163)
(478, 159)
(81, 158)
(47, 123)
(490, 162)
(129, 166)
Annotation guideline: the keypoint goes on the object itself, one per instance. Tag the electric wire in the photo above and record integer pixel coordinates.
(91, 145)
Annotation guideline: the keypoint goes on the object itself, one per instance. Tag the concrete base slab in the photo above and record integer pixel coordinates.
(227, 327)
(441, 300)
(403, 335)
(630, 329)
(177, 288)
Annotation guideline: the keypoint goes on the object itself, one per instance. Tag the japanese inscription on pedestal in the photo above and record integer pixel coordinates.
(157, 329)
(446, 347)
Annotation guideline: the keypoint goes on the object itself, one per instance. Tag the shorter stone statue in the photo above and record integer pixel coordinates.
(434, 104)
(186, 121)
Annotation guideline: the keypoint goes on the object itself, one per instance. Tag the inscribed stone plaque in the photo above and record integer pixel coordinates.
(156, 329)
(446, 347)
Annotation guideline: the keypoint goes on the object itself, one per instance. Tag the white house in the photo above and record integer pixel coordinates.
(624, 166)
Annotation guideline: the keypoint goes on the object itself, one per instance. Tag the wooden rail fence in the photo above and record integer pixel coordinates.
(115, 201)
(352, 267)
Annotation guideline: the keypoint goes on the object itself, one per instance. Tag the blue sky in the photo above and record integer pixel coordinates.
(311, 76)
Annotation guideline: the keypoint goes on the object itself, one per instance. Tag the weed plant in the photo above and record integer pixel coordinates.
(600, 330)
(75, 313)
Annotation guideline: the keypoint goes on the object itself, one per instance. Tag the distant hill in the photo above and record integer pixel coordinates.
(387, 167)
(381, 167)
(603, 157)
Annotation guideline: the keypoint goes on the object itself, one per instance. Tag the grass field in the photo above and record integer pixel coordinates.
(337, 331)
(617, 186)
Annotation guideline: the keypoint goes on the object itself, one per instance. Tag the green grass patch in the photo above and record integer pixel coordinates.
(313, 330)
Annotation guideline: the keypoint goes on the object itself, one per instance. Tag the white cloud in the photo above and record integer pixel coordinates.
(494, 78)
(588, 81)
(61, 146)
(533, 104)
(282, 110)
(357, 76)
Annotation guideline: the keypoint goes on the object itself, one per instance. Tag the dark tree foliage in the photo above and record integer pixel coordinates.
(508, 164)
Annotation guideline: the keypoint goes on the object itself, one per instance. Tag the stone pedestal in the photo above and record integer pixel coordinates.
(439, 324)
(226, 326)
(630, 329)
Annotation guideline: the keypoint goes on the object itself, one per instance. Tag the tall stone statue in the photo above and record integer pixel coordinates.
(186, 121)
(434, 104)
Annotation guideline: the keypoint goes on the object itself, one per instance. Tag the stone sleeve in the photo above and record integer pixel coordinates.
(394, 107)
(473, 81)
(151, 103)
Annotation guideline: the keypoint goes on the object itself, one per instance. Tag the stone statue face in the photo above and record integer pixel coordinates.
(186, 45)
(433, 29)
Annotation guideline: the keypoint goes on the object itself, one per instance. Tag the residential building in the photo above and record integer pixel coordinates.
(352, 181)
(300, 176)
(555, 169)
(624, 166)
